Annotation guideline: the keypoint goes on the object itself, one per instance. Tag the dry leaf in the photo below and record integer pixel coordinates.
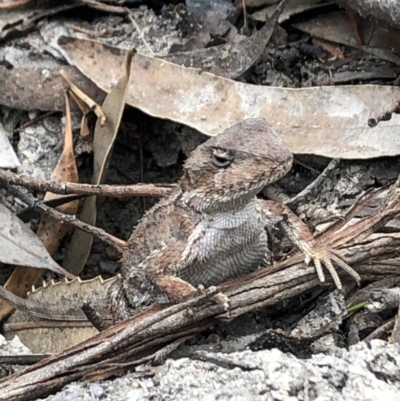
(329, 47)
(41, 88)
(83, 98)
(20, 246)
(387, 10)
(328, 121)
(336, 27)
(20, 20)
(50, 232)
(230, 60)
(8, 158)
(103, 142)
(292, 8)
(40, 337)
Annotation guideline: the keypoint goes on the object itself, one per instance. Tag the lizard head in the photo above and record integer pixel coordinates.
(232, 167)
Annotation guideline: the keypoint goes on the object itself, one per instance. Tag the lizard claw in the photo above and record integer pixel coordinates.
(217, 297)
(222, 299)
(325, 258)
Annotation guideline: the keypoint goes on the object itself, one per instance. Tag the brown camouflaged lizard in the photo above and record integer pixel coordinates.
(212, 227)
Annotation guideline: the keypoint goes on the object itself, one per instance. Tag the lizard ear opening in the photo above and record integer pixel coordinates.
(221, 158)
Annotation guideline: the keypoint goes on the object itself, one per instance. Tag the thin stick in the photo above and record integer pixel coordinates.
(85, 98)
(22, 359)
(314, 186)
(34, 121)
(130, 16)
(14, 4)
(104, 7)
(66, 188)
(39, 206)
(381, 330)
(244, 13)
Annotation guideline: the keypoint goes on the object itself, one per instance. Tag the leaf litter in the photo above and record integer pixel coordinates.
(49, 231)
(334, 127)
(230, 60)
(103, 143)
(8, 158)
(20, 246)
(329, 121)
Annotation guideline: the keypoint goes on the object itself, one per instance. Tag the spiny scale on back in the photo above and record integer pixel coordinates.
(213, 213)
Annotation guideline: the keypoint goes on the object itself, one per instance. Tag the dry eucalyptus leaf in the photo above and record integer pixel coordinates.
(20, 246)
(384, 10)
(8, 158)
(103, 142)
(230, 60)
(292, 8)
(20, 20)
(84, 102)
(50, 231)
(328, 121)
(40, 337)
(335, 27)
(41, 88)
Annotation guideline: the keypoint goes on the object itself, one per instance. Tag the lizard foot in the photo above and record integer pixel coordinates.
(324, 257)
(222, 299)
(217, 297)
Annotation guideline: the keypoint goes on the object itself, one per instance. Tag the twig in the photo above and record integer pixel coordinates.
(104, 7)
(88, 32)
(381, 330)
(276, 193)
(34, 121)
(22, 359)
(314, 186)
(39, 206)
(306, 166)
(44, 311)
(386, 116)
(244, 13)
(273, 191)
(130, 16)
(85, 98)
(14, 4)
(66, 188)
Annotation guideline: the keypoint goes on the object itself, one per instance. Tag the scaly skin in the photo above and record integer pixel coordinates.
(213, 227)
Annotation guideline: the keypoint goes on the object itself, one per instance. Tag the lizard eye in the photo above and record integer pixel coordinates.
(221, 158)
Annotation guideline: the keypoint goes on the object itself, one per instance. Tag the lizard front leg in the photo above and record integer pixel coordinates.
(117, 301)
(299, 233)
(159, 271)
(162, 269)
